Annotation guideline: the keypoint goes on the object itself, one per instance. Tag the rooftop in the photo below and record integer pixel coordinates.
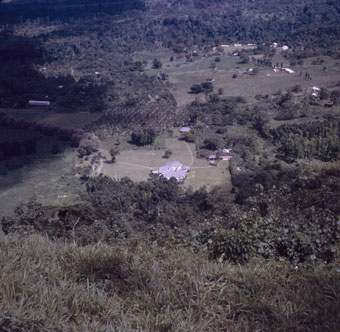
(173, 169)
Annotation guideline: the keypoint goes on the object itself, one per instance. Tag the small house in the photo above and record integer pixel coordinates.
(185, 130)
(39, 103)
(226, 150)
(288, 70)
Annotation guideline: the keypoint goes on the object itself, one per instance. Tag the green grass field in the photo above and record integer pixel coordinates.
(182, 74)
(50, 179)
(77, 120)
(138, 163)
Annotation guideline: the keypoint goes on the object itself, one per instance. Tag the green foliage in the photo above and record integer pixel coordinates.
(143, 137)
(286, 224)
(315, 139)
(56, 286)
(203, 87)
(167, 154)
(156, 64)
(295, 241)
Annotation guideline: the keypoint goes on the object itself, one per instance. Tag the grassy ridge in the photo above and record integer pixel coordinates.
(53, 286)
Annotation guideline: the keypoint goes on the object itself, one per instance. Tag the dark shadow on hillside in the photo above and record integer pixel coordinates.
(21, 82)
(64, 10)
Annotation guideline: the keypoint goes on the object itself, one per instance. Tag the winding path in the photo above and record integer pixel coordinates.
(132, 164)
(101, 164)
(191, 154)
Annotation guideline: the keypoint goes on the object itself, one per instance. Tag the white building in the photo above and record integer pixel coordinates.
(185, 130)
(173, 169)
(288, 70)
(39, 103)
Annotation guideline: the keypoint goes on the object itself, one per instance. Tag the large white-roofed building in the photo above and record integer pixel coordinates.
(173, 169)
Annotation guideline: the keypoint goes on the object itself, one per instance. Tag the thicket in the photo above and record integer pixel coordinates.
(317, 139)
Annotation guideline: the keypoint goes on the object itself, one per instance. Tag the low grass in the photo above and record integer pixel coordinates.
(48, 179)
(137, 162)
(209, 176)
(46, 286)
(77, 120)
(182, 74)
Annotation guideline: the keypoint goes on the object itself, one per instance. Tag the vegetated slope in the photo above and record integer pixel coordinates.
(57, 286)
(63, 10)
(279, 224)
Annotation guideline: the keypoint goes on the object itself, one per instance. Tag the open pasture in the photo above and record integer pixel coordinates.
(182, 74)
(77, 120)
(137, 164)
(51, 180)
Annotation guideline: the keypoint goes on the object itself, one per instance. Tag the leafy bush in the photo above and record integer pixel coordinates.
(297, 242)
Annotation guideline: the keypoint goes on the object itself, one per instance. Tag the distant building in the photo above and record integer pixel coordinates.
(315, 89)
(39, 103)
(185, 130)
(173, 169)
(212, 157)
(226, 154)
(288, 70)
(285, 48)
(226, 150)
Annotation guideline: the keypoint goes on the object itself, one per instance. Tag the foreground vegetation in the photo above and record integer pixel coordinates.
(53, 286)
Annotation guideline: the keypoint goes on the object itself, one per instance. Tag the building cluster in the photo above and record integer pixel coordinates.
(224, 154)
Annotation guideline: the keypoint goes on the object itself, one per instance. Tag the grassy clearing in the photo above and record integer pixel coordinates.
(137, 163)
(48, 179)
(76, 120)
(182, 74)
(49, 286)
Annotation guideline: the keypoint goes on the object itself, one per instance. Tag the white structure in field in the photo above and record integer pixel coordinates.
(185, 130)
(288, 70)
(285, 48)
(173, 169)
(39, 103)
(226, 150)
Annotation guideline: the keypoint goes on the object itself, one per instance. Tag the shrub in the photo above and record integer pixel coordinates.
(268, 237)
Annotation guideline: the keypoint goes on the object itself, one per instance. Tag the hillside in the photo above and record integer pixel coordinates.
(169, 165)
